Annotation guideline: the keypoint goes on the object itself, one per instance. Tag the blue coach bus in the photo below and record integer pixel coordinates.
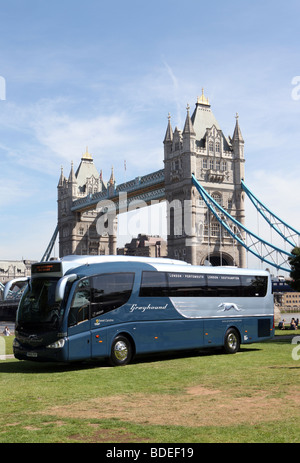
(114, 307)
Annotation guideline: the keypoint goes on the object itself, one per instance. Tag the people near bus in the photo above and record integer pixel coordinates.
(281, 325)
(6, 331)
(293, 324)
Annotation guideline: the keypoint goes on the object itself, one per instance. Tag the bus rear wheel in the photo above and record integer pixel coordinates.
(121, 351)
(232, 341)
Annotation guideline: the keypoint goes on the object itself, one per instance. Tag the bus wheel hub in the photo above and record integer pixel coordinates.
(121, 350)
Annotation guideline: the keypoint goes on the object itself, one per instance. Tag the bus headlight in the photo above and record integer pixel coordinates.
(57, 344)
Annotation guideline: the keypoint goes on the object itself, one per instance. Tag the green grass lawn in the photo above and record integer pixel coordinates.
(252, 396)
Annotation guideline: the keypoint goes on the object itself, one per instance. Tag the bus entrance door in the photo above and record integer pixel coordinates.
(79, 324)
(79, 337)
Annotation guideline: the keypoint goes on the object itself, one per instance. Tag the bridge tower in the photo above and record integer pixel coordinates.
(77, 230)
(218, 164)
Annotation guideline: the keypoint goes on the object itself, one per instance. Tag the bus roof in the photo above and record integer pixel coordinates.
(71, 263)
(81, 260)
(74, 261)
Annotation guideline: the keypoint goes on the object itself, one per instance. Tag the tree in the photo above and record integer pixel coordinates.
(294, 262)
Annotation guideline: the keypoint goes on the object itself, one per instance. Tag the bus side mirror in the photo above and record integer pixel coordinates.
(61, 286)
(10, 283)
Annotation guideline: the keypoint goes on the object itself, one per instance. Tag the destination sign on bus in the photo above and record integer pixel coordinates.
(54, 267)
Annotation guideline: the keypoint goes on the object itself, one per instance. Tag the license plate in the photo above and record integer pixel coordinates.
(31, 354)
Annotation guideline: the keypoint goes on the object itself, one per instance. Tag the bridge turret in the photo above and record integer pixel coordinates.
(188, 134)
(72, 183)
(77, 230)
(237, 140)
(168, 141)
(61, 178)
(239, 166)
(218, 163)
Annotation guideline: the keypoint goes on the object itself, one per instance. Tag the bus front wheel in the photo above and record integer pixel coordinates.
(121, 351)
(232, 341)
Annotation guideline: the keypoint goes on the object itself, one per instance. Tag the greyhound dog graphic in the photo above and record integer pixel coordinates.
(226, 306)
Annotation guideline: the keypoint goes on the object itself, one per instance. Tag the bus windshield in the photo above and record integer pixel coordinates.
(38, 308)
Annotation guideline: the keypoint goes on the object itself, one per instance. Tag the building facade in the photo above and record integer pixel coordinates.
(77, 230)
(217, 162)
(10, 269)
(145, 246)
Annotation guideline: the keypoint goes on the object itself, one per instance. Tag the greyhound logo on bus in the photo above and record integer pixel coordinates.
(226, 306)
(147, 307)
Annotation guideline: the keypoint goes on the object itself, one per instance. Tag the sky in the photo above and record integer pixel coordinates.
(107, 74)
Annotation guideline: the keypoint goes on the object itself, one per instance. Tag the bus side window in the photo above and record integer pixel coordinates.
(186, 285)
(254, 286)
(110, 291)
(80, 307)
(154, 284)
(223, 286)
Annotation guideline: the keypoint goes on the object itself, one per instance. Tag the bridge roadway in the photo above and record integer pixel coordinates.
(8, 310)
(141, 190)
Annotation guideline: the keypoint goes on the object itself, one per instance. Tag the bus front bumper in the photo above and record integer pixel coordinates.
(55, 353)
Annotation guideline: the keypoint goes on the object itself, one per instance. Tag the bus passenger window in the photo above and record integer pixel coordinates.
(154, 284)
(186, 284)
(254, 286)
(110, 291)
(223, 285)
(79, 310)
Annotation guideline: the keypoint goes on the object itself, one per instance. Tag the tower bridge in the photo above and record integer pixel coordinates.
(193, 234)
(203, 185)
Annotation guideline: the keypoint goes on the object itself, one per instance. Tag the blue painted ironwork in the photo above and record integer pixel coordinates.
(50, 246)
(11, 295)
(267, 253)
(288, 233)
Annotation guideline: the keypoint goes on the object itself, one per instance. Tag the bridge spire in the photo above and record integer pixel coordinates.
(61, 178)
(87, 156)
(72, 178)
(237, 134)
(188, 126)
(168, 141)
(112, 177)
(169, 132)
(202, 99)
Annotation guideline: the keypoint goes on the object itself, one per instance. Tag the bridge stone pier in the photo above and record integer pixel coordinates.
(88, 207)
